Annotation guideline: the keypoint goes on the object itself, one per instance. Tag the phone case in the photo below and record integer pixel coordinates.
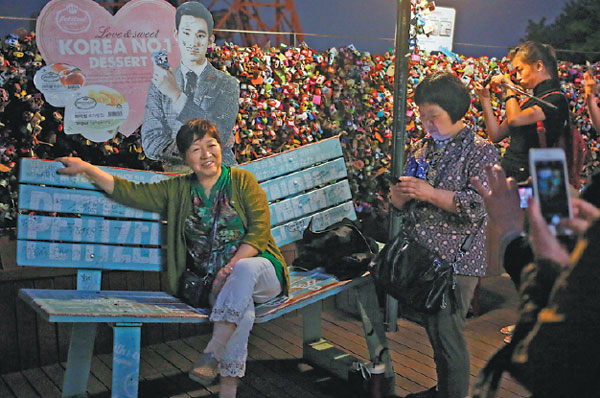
(161, 59)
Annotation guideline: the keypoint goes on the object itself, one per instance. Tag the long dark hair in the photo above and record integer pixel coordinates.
(533, 51)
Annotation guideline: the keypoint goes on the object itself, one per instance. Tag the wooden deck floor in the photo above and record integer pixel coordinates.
(274, 368)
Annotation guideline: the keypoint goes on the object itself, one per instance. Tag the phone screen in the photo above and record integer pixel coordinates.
(525, 192)
(552, 190)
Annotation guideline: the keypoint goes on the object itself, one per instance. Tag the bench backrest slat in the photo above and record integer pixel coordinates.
(296, 159)
(304, 180)
(88, 229)
(306, 183)
(36, 171)
(293, 230)
(91, 256)
(76, 201)
(309, 203)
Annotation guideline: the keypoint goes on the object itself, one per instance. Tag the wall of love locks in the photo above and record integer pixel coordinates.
(289, 97)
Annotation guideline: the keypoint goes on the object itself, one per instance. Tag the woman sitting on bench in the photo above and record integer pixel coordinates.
(217, 221)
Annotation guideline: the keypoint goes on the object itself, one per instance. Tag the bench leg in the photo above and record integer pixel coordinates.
(372, 320)
(311, 323)
(81, 349)
(126, 360)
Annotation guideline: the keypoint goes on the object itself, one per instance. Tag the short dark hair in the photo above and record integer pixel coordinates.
(195, 9)
(195, 129)
(533, 51)
(445, 90)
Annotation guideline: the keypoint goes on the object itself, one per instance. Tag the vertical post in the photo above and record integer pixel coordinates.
(126, 360)
(81, 346)
(311, 323)
(399, 129)
(79, 361)
(370, 314)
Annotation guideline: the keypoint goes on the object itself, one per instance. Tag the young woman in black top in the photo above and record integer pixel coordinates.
(537, 73)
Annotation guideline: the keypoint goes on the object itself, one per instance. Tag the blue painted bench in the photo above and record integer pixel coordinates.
(65, 221)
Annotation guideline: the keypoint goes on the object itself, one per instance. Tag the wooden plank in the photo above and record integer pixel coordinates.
(42, 383)
(297, 377)
(88, 229)
(102, 372)
(310, 202)
(317, 382)
(175, 382)
(18, 383)
(249, 386)
(34, 273)
(37, 171)
(110, 306)
(293, 230)
(76, 201)
(9, 342)
(56, 372)
(183, 364)
(304, 180)
(88, 256)
(295, 159)
(117, 281)
(4, 390)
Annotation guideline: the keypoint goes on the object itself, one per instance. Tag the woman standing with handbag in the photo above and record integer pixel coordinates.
(436, 193)
(218, 224)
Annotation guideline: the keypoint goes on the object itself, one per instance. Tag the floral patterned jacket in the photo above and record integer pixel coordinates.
(451, 167)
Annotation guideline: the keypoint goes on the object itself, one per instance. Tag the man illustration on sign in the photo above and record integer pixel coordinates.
(194, 90)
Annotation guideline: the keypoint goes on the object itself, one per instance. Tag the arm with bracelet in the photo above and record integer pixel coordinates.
(495, 131)
(515, 116)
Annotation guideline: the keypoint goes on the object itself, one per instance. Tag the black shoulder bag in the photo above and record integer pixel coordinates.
(415, 276)
(195, 284)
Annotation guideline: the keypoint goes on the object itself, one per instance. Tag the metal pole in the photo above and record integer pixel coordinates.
(399, 130)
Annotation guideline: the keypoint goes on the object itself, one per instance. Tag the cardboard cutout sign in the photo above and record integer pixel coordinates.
(110, 56)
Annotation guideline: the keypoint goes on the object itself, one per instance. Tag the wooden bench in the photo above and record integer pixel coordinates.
(66, 221)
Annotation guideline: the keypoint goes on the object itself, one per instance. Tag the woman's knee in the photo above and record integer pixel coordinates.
(246, 267)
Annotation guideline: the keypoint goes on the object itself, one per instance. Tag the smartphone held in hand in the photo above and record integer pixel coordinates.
(525, 192)
(551, 186)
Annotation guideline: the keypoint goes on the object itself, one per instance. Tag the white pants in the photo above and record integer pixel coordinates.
(252, 280)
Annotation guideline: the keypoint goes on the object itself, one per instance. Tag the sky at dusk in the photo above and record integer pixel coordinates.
(497, 23)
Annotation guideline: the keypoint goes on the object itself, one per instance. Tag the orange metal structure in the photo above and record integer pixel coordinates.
(252, 16)
(249, 16)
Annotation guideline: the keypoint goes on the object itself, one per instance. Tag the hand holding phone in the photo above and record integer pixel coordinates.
(161, 58)
(551, 186)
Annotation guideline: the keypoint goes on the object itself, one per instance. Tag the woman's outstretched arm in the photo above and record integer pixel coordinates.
(75, 166)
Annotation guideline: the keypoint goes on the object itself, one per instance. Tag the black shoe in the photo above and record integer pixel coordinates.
(431, 393)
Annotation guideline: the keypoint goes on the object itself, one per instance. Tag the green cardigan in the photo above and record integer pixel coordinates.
(172, 199)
